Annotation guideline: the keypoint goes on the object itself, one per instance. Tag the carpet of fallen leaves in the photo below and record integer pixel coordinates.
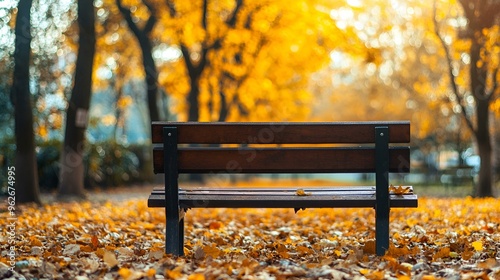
(441, 239)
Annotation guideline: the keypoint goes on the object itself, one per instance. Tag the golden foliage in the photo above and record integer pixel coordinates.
(260, 65)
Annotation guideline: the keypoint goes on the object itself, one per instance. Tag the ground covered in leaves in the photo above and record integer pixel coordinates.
(441, 239)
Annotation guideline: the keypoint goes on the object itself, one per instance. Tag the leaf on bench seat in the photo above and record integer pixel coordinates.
(301, 192)
(399, 190)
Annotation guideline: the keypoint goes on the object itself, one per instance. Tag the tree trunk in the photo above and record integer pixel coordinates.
(192, 99)
(478, 75)
(26, 174)
(151, 73)
(71, 184)
(483, 138)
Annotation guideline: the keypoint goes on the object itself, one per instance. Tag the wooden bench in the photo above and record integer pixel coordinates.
(316, 148)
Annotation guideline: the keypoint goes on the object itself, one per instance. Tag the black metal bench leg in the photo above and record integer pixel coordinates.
(174, 238)
(382, 233)
(175, 226)
(382, 207)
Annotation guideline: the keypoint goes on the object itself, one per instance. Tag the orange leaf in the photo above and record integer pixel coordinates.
(151, 273)
(214, 225)
(196, 276)
(466, 255)
(86, 248)
(95, 242)
(34, 241)
(212, 251)
(399, 190)
(175, 273)
(282, 251)
(369, 247)
(442, 253)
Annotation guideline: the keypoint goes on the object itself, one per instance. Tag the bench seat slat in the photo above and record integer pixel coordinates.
(279, 191)
(283, 160)
(281, 133)
(286, 198)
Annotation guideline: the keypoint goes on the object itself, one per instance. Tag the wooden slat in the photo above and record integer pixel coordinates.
(282, 133)
(283, 160)
(272, 198)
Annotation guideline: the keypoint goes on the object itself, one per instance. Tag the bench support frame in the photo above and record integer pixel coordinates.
(382, 207)
(175, 223)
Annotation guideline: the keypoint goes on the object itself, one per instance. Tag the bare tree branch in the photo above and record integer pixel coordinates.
(204, 14)
(453, 83)
(231, 21)
(171, 8)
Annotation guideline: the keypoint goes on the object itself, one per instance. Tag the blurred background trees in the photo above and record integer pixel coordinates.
(432, 62)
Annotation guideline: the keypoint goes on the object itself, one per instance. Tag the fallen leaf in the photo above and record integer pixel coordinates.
(301, 192)
(95, 242)
(110, 259)
(71, 249)
(196, 276)
(214, 225)
(477, 245)
(174, 273)
(125, 272)
(212, 250)
(399, 190)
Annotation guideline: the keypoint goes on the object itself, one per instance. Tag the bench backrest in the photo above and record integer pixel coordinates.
(311, 155)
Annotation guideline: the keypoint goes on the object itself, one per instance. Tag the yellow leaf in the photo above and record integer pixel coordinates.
(175, 273)
(125, 272)
(364, 271)
(301, 192)
(478, 245)
(151, 273)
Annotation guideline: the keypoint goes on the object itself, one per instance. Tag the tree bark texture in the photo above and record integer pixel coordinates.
(26, 178)
(71, 183)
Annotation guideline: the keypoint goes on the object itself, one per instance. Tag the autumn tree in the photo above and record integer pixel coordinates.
(25, 162)
(245, 60)
(71, 181)
(480, 33)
